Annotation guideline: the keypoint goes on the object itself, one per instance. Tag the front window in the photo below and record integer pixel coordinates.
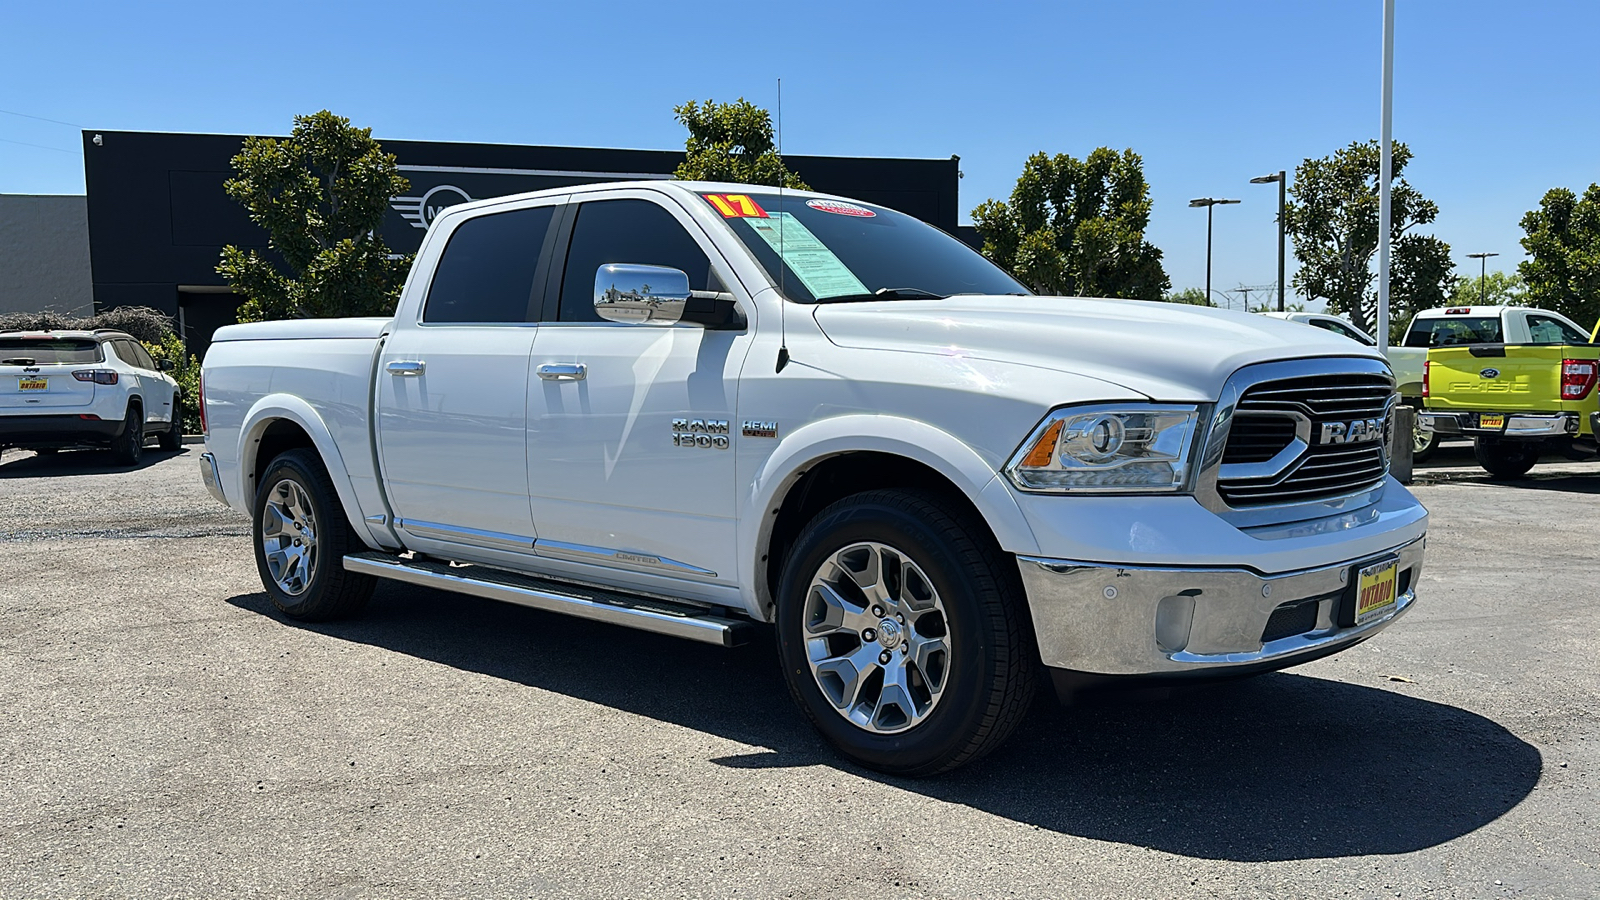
(835, 250)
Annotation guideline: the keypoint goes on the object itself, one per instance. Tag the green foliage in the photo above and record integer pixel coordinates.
(1076, 227)
(731, 142)
(1189, 296)
(1562, 270)
(186, 371)
(1496, 289)
(1273, 307)
(1332, 216)
(321, 195)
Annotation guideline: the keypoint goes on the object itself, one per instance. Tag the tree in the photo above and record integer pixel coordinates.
(1333, 218)
(1076, 227)
(1190, 297)
(321, 195)
(1562, 270)
(1493, 289)
(731, 142)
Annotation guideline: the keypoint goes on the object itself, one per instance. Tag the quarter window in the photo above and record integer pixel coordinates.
(486, 272)
(625, 231)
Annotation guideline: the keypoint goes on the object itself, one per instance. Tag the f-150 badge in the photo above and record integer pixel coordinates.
(705, 434)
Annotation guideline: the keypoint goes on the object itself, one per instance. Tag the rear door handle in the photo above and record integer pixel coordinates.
(563, 371)
(406, 367)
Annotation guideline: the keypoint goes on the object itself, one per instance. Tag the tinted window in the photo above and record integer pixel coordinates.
(486, 271)
(48, 351)
(1337, 328)
(1545, 330)
(625, 231)
(124, 350)
(1452, 330)
(142, 356)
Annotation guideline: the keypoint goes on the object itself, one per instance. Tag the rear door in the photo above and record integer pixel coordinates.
(36, 373)
(153, 386)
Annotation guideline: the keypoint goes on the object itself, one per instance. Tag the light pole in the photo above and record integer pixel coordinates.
(1283, 191)
(1483, 274)
(1209, 202)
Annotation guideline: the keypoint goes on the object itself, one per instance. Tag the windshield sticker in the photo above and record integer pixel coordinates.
(736, 206)
(810, 259)
(841, 208)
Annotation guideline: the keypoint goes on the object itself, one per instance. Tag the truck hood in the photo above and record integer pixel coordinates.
(1166, 351)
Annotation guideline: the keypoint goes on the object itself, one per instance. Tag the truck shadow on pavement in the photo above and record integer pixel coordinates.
(1278, 767)
(27, 464)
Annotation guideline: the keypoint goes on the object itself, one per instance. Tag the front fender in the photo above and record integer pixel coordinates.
(289, 407)
(916, 440)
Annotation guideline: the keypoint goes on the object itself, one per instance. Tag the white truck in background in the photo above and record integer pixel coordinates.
(703, 409)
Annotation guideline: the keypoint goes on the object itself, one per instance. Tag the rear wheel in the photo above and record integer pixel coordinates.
(903, 633)
(127, 448)
(1505, 459)
(172, 438)
(301, 538)
(1423, 442)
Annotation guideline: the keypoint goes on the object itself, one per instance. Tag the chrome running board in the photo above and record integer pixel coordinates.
(645, 613)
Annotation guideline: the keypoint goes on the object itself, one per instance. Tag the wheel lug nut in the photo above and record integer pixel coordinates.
(869, 635)
(885, 656)
(877, 611)
(905, 649)
(902, 618)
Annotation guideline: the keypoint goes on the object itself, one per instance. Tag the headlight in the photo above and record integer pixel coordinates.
(1108, 448)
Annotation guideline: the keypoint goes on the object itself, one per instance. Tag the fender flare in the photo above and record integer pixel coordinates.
(293, 409)
(939, 450)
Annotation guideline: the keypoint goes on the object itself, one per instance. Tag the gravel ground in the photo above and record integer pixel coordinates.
(167, 734)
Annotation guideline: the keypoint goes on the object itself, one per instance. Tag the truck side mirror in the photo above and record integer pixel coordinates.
(640, 295)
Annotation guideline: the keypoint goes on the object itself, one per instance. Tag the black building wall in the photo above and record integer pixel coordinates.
(158, 217)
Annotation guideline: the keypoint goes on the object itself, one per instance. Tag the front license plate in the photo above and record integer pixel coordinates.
(1375, 588)
(1491, 421)
(33, 384)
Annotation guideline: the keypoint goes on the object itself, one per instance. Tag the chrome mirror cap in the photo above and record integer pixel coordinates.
(640, 295)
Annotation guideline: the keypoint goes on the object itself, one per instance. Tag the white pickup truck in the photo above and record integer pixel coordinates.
(700, 409)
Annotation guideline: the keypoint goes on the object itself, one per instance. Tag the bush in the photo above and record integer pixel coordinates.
(151, 327)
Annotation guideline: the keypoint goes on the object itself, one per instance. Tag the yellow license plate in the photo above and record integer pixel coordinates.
(33, 384)
(1491, 421)
(1376, 591)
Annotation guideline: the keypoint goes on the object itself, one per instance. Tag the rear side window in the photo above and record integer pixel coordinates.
(485, 274)
(625, 231)
(1339, 329)
(48, 351)
(1545, 330)
(1453, 330)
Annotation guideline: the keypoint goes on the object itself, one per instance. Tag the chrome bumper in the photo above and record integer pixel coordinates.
(1110, 620)
(208, 474)
(1518, 425)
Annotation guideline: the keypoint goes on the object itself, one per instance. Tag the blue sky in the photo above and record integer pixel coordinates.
(1500, 101)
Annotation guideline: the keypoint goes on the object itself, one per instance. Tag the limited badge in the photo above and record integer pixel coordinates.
(841, 208)
(736, 206)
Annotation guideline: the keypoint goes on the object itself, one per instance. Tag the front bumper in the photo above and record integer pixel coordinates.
(1158, 621)
(1517, 425)
(45, 431)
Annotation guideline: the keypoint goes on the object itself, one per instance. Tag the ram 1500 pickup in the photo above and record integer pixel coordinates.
(704, 408)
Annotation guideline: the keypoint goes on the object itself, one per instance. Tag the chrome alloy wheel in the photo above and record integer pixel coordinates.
(877, 637)
(289, 537)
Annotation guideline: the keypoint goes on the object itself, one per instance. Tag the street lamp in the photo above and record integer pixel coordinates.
(1209, 202)
(1483, 274)
(1283, 189)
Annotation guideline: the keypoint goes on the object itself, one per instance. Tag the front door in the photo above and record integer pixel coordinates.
(452, 388)
(630, 427)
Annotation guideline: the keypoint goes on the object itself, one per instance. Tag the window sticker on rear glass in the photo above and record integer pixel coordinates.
(736, 206)
(841, 208)
(818, 269)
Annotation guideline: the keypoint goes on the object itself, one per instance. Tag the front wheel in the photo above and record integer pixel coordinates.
(301, 537)
(903, 633)
(1505, 459)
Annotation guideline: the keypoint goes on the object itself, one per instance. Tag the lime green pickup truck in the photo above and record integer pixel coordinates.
(1517, 401)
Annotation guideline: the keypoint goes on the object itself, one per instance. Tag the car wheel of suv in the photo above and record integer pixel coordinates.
(301, 538)
(903, 633)
(1505, 459)
(127, 448)
(172, 438)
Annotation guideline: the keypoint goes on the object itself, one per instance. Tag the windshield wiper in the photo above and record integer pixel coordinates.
(884, 294)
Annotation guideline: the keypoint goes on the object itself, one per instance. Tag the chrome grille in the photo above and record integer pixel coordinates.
(1267, 420)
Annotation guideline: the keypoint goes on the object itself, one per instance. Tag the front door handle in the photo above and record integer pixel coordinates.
(563, 371)
(406, 367)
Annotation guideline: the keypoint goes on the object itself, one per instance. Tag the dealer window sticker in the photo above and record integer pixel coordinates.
(823, 274)
(736, 206)
(841, 208)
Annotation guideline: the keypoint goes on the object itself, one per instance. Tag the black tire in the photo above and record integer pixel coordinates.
(48, 451)
(330, 592)
(127, 448)
(991, 670)
(1505, 459)
(172, 438)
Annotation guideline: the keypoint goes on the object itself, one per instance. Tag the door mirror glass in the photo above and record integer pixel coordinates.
(640, 295)
(164, 365)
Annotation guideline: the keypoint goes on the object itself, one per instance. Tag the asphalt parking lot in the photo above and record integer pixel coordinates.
(167, 734)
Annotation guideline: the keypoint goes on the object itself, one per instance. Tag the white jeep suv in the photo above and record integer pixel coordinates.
(62, 389)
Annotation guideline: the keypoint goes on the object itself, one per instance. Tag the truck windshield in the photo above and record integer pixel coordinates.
(1454, 330)
(32, 351)
(835, 251)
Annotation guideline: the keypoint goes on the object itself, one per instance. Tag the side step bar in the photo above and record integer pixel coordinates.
(646, 613)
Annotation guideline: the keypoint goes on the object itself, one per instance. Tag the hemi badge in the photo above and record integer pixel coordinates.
(760, 429)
